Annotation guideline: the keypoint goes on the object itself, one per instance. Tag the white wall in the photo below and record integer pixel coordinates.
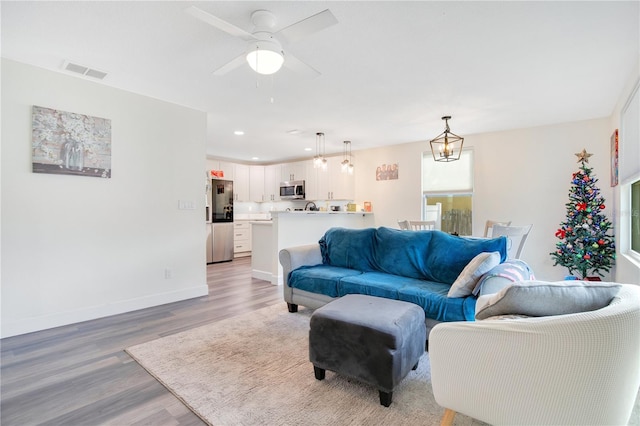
(77, 248)
(627, 267)
(520, 175)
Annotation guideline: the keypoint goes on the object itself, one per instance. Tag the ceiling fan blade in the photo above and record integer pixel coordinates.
(310, 25)
(219, 23)
(295, 64)
(231, 65)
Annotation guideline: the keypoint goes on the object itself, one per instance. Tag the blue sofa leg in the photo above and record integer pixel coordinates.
(293, 308)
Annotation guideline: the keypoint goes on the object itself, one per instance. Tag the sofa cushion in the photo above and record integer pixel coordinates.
(372, 284)
(430, 296)
(321, 279)
(348, 248)
(402, 253)
(540, 298)
(448, 255)
(470, 275)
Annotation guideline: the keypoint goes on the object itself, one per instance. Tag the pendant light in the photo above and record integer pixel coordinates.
(347, 164)
(319, 160)
(446, 146)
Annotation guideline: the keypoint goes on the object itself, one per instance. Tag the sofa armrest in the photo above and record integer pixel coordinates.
(294, 257)
(528, 371)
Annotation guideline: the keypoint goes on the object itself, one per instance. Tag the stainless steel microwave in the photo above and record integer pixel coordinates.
(292, 190)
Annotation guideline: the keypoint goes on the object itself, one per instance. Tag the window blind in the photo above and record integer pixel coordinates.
(449, 178)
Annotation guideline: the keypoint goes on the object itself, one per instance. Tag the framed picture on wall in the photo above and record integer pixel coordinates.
(69, 143)
(387, 171)
(614, 158)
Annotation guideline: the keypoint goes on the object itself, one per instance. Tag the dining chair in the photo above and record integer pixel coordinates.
(516, 236)
(421, 225)
(488, 227)
(404, 224)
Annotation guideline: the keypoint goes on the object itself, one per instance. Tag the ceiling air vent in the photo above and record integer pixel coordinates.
(81, 69)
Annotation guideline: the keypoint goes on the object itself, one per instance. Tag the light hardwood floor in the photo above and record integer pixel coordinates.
(80, 375)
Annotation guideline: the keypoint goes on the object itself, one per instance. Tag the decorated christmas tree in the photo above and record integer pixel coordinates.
(585, 245)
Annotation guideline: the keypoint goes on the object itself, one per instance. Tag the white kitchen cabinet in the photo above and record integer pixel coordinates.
(341, 185)
(227, 168)
(330, 184)
(224, 166)
(241, 181)
(272, 182)
(241, 238)
(256, 184)
(293, 171)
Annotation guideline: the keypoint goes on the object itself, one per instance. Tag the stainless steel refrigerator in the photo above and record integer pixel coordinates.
(220, 222)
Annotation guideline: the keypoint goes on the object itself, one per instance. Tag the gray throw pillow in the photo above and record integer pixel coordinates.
(468, 278)
(540, 298)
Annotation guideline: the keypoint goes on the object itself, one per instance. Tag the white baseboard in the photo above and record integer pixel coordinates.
(261, 275)
(29, 325)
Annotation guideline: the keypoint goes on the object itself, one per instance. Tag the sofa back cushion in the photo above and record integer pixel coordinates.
(447, 255)
(349, 248)
(426, 255)
(401, 252)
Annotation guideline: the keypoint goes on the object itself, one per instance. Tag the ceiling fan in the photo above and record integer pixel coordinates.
(264, 51)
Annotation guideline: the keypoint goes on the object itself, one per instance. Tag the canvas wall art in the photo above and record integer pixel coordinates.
(614, 158)
(387, 171)
(70, 143)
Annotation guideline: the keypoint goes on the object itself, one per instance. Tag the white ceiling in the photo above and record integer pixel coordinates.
(390, 70)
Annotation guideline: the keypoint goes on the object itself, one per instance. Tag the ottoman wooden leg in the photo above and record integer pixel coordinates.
(319, 372)
(415, 367)
(385, 398)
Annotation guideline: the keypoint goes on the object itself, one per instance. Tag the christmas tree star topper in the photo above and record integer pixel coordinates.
(583, 156)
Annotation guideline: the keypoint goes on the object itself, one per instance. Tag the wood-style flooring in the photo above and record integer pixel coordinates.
(80, 375)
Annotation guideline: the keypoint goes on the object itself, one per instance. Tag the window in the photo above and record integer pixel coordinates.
(447, 191)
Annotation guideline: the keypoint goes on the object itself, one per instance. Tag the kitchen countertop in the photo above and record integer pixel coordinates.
(310, 212)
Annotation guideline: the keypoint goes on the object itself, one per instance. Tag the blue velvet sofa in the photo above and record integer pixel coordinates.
(413, 266)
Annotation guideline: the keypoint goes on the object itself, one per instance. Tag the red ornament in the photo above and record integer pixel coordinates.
(601, 206)
(587, 256)
(581, 206)
(560, 233)
(601, 242)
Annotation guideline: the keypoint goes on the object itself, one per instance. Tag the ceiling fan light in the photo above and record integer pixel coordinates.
(265, 56)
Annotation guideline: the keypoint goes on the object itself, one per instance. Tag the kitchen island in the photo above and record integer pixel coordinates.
(294, 228)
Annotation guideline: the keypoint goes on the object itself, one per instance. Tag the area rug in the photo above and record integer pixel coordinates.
(254, 369)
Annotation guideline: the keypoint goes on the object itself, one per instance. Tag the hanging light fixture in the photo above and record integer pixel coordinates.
(265, 56)
(446, 146)
(319, 160)
(347, 164)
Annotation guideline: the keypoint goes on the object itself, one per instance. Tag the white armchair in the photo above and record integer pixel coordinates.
(571, 369)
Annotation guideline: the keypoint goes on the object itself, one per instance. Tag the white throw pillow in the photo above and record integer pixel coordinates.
(468, 278)
(541, 298)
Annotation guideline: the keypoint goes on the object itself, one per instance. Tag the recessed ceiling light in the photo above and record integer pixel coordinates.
(294, 132)
(238, 133)
(307, 149)
(255, 158)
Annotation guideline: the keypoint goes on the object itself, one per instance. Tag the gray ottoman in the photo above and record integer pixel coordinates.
(371, 339)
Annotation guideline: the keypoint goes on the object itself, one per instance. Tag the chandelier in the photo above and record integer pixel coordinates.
(319, 160)
(347, 163)
(446, 146)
